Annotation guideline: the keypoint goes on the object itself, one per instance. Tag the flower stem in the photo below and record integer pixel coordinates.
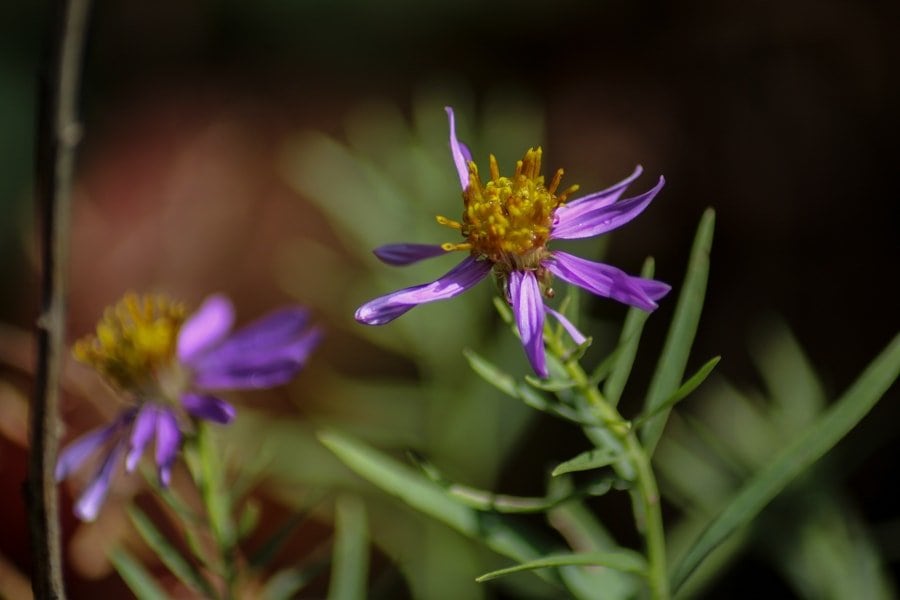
(645, 495)
(58, 134)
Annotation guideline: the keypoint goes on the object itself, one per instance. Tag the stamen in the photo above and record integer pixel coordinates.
(448, 222)
(450, 247)
(555, 182)
(495, 170)
(568, 191)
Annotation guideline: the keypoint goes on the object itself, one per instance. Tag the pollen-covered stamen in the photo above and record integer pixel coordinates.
(508, 219)
(135, 341)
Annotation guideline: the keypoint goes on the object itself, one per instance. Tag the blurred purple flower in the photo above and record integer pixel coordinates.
(507, 224)
(172, 366)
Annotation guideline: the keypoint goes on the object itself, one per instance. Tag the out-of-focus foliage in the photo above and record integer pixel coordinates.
(812, 533)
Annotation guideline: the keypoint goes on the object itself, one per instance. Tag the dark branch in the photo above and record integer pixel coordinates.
(58, 135)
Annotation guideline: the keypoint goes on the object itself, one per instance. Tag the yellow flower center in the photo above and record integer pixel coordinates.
(134, 348)
(508, 219)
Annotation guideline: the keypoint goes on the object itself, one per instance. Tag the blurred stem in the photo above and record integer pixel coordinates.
(645, 496)
(217, 502)
(57, 136)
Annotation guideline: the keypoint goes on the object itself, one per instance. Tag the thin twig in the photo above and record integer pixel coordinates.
(58, 134)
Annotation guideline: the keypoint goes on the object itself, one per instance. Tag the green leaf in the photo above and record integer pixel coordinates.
(285, 584)
(135, 576)
(168, 554)
(677, 348)
(550, 385)
(683, 392)
(627, 348)
(491, 373)
(249, 519)
(806, 449)
(592, 459)
(350, 566)
(623, 560)
(429, 498)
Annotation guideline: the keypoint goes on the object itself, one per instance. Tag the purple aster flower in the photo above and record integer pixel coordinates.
(172, 367)
(507, 224)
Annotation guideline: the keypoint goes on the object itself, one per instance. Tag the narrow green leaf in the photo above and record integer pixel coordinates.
(216, 496)
(550, 385)
(429, 498)
(683, 392)
(249, 519)
(498, 378)
(605, 368)
(503, 310)
(285, 584)
(139, 581)
(350, 566)
(677, 348)
(168, 554)
(628, 346)
(592, 459)
(623, 560)
(806, 449)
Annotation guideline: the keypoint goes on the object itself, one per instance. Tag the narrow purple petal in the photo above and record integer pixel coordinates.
(456, 281)
(577, 337)
(141, 432)
(168, 439)
(607, 196)
(209, 408)
(92, 498)
(571, 225)
(607, 281)
(406, 254)
(275, 330)
(74, 455)
(262, 367)
(528, 307)
(205, 328)
(459, 152)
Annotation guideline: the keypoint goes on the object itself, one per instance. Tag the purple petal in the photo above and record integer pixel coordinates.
(460, 278)
(141, 432)
(459, 152)
(91, 500)
(576, 335)
(205, 328)
(574, 224)
(263, 367)
(168, 439)
(275, 330)
(609, 282)
(406, 254)
(74, 455)
(209, 408)
(604, 197)
(528, 307)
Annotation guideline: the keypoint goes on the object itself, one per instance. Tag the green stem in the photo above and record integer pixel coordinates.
(646, 494)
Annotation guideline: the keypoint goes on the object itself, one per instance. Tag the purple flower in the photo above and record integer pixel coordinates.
(172, 367)
(507, 224)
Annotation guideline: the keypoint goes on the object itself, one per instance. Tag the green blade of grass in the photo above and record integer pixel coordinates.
(183, 569)
(592, 459)
(350, 565)
(683, 392)
(808, 447)
(623, 560)
(628, 346)
(674, 357)
(429, 498)
(136, 577)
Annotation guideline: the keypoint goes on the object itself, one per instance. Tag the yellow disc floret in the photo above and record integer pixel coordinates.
(135, 341)
(508, 219)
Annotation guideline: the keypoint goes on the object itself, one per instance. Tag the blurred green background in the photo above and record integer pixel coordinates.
(263, 148)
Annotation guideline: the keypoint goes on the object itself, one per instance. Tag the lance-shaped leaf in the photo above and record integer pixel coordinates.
(683, 392)
(806, 449)
(591, 459)
(135, 576)
(623, 560)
